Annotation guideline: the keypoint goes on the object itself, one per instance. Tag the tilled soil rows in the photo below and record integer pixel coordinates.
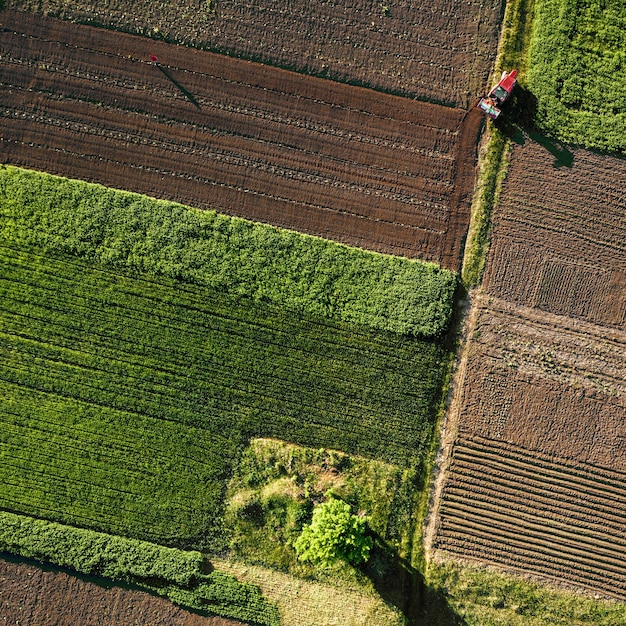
(438, 50)
(34, 596)
(527, 511)
(537, 477)
(363, 168)
(559, 237)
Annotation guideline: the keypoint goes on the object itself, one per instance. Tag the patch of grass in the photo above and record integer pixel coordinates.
(482, 597)
(276, 485)
(577, 71)
(314, 603)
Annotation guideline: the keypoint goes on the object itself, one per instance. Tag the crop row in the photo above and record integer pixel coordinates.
(176, 574)
(145, 350)
(298, 272)
(113, 470)
(508, 507)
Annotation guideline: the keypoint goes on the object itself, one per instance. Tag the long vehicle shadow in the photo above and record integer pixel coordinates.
(518, 123)
(404, 587)
(174, 82)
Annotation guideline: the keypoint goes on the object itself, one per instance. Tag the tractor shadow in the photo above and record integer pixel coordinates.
(182, 89)
(518, 123)
(403, 587)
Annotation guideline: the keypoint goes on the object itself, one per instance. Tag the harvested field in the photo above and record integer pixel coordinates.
(537, 475)
(31, 595)
(439, 50)
(360, 167)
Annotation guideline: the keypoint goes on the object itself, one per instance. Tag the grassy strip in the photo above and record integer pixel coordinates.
(577, 71)
(491, 175)
(485, 598)
(512, 53)
(303, 274)
(303, 602)
(175, 574)
(516, 36)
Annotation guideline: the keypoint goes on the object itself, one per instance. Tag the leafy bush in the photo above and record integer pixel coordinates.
(301, 273)
(175, 574)
(334, 534)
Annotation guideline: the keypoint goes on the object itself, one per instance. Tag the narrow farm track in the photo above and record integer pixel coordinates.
(529, 512)
(363, 168)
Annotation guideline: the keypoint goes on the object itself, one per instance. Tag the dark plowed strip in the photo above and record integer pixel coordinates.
(520, 509)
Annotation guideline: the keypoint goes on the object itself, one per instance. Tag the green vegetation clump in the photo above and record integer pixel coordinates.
(302, 274)
(482, 597)
(334, 534)
(176, 574)
(577, 71)
(277, 486)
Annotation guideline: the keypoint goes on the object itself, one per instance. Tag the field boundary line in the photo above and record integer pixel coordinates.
(449, 427)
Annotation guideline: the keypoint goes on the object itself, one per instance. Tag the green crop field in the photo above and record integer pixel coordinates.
(577, 71)
(296, 272)
(128, 397)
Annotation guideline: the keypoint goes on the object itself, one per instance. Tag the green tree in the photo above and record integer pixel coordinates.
(334, 534)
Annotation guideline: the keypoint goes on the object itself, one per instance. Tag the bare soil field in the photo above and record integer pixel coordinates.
(537, 476)
(438, 50)
(559, 236)
(345, 163)
(30, 596)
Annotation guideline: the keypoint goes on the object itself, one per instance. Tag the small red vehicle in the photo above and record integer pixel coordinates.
(490, 103)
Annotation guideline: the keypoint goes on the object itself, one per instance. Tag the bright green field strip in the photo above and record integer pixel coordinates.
(117, 471)
(577, 71)
(296, 272)
(125, 400)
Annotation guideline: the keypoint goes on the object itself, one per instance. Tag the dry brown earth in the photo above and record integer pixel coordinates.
(438, 50)
(363, 168)
(30, 596)
(537, 478)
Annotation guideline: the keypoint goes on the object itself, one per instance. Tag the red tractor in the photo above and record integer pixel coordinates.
(490, 103)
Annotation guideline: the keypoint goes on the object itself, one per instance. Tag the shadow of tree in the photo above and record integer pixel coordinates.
(403, 587)
(518, 123)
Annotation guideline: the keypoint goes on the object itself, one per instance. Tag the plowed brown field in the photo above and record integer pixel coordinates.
(440, 50)
(537, 477)
(363, 168)
(559, 237)
(35, 597)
